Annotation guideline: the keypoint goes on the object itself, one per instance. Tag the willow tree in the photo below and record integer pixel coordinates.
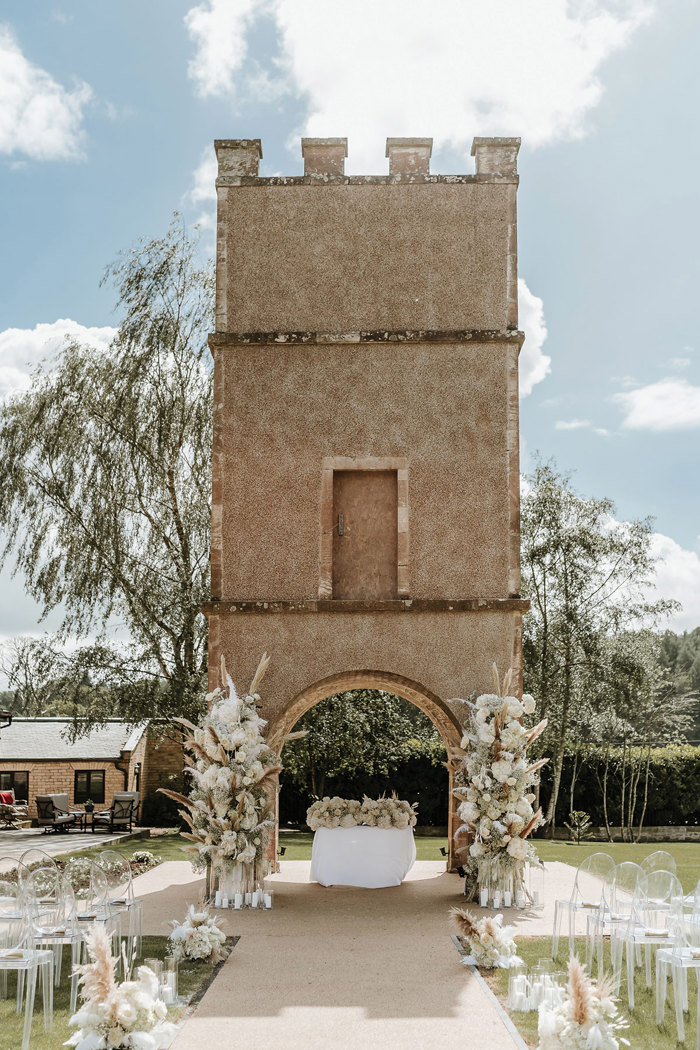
(105, 497)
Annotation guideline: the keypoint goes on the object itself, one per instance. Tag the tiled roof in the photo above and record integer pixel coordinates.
(49, 738)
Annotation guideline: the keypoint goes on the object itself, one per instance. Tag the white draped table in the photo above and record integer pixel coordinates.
(362, 856)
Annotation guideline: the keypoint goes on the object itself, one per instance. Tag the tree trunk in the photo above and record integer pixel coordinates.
(646, 795)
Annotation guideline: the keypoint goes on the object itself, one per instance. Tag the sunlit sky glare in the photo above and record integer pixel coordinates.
(108, 113)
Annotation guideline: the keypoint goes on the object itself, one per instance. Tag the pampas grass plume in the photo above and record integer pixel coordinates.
(580, 992)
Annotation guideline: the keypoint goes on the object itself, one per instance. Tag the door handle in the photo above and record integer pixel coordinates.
(340, 524)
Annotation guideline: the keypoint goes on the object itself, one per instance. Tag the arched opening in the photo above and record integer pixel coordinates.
(436, 710)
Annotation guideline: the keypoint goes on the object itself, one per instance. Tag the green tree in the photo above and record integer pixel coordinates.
(362, 731)
(104, 497)
(587, 577)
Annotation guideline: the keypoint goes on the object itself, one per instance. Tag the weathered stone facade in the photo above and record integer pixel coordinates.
(366, 323)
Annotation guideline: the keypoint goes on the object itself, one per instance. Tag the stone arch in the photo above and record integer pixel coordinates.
(442, 717)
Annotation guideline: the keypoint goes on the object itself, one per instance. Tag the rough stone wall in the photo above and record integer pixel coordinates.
(444, 407)
(388, 254)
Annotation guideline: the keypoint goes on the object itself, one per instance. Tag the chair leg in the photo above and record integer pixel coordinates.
(630, 974)
(29, 1006)
(678, 1000)
(555, 931)
(661, 982)
(47, 991)
(647, 963)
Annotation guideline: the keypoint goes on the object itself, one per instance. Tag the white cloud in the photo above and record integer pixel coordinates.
(678, 576)
(670, 404)
(39, 118)
(219, 28)
(450, 69)
(572, 424)
(22, 348)
(534, 365)
(203, 189)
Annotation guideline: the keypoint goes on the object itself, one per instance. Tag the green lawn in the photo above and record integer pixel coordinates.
(643, 1031)
(167, 847)
(191, 977)
(686, 854)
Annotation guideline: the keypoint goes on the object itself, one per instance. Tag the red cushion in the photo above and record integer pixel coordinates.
(7, 798)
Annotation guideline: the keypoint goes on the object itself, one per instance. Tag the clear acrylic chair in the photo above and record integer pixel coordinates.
(614, 911)
(117, 870)
(682, 956)
(53, 924)
(91, 891)
(660, 860)
(37, 858)
(655, 909)
(18, 955)
(586, 896)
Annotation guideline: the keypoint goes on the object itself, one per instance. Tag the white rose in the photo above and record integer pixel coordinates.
(528, 704)
(514, 707)
(476, 849)
(517, 848)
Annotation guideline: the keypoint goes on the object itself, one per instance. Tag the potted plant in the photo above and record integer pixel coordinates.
(89, 805)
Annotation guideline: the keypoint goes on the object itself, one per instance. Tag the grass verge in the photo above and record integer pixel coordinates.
(685, 854)
(643, 1030)
(191, 977)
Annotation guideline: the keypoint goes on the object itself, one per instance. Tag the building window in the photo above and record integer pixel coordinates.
(89, 784)
(17, 781)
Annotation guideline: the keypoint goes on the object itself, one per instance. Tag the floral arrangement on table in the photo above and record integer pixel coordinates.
(229, 808)
(349, 813)
(490, 943)
(128, 1015)
(495, 780)
(587, 1019)
(198, 937)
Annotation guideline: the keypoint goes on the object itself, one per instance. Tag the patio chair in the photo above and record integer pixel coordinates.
(53, 817)
(121, 814)
(12, 810)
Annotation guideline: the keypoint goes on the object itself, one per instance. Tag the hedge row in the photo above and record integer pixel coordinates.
(674, 786)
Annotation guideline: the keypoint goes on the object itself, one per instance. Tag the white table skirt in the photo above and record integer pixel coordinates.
(362, 856)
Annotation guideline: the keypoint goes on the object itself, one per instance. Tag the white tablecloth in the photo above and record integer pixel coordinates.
(369, 857)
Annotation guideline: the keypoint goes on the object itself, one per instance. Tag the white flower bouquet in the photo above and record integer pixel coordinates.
(198, 937)
(587, 1019)
(490, 943)
(229, 808)
(495, 781)
(128, 1015)
(349, 813)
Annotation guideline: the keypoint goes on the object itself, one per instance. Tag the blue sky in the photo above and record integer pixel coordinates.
(108, 111)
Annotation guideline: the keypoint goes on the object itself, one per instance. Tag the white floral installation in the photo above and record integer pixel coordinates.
(198, 937)
(494, 782)
(349, 813)
(229, 808)
(490, 943)
(587, 1018)
(129, 1015)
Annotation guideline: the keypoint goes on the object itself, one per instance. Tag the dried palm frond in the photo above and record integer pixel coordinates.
(177, 797)
(222, 754)
(259, 674)
(463, 923)
(580, 992)
(537, 765)
(535, 732)
(185, 816)
(196, 749)
(267, 774)
(194, 838)
(185, 722)
(533, 823)
(213, 734)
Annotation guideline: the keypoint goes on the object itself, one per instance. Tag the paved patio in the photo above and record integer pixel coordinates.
(343, 967)
(14, 843)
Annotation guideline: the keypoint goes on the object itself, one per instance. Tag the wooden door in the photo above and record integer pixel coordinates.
(365, 535)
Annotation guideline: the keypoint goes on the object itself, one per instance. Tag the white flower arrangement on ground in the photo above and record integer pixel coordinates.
(349, 813)
(229, 808)
(495, 781)
(128, 1015)
(587, 1019)
(490, 943)
(198, 937)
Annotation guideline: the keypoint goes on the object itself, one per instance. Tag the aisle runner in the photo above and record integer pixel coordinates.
(346, 969)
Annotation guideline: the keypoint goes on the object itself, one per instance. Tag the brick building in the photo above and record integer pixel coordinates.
(37, 757)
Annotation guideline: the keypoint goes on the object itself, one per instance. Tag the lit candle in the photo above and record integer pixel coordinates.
(248, 899)
(224, 900)
(536, 897)
(520, 899)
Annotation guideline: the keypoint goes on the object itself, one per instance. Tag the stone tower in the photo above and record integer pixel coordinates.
(365, 518)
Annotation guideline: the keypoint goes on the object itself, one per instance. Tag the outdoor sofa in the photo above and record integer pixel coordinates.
(54, 813)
